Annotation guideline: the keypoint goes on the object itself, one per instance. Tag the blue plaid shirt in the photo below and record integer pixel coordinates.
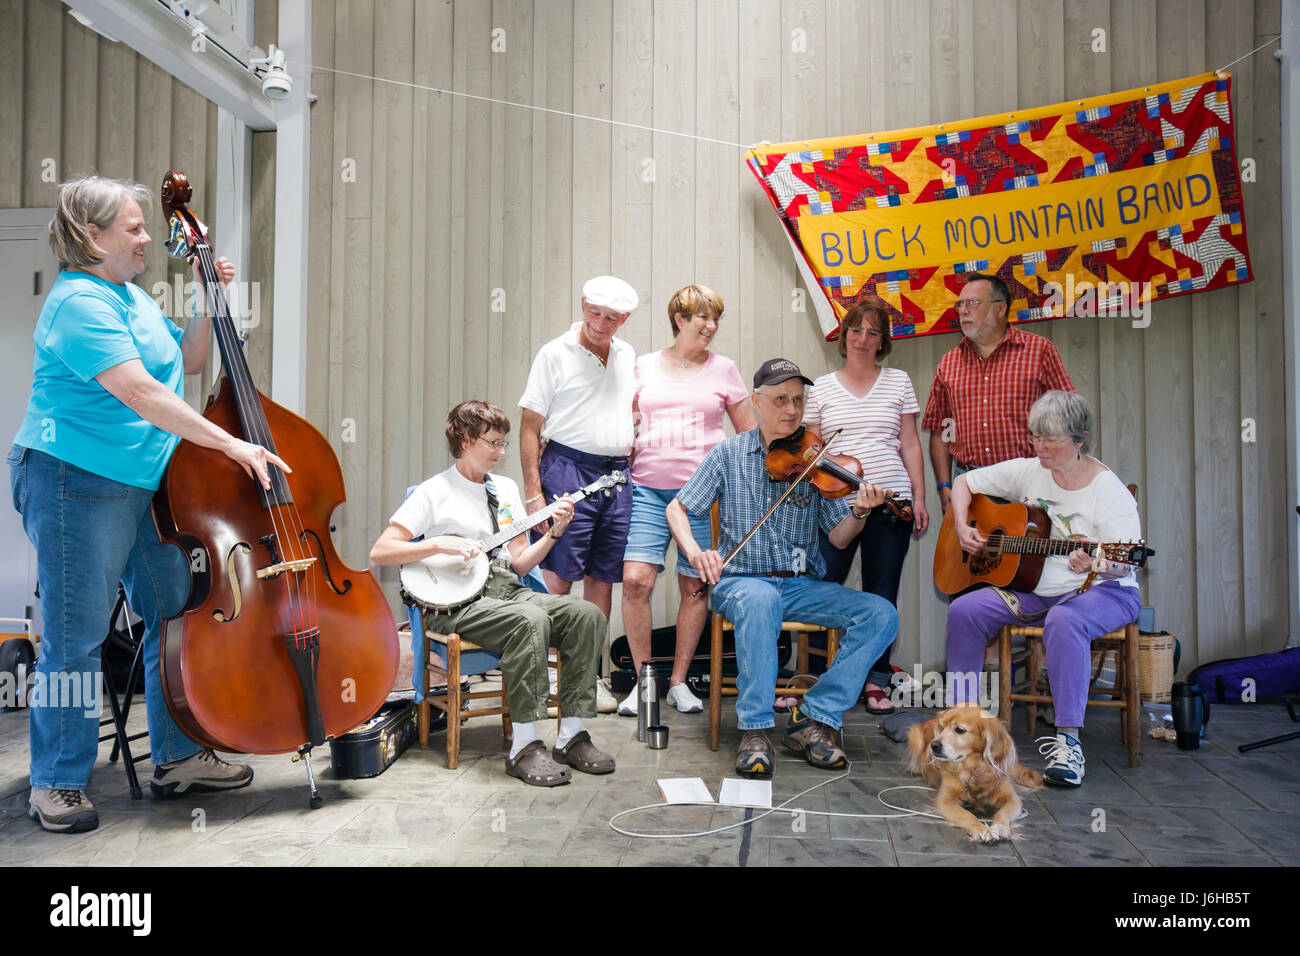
(734, 474)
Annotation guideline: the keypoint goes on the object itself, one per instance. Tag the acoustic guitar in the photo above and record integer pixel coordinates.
(1018, 542)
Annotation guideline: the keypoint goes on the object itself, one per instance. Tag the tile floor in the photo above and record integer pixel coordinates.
(1210, 807)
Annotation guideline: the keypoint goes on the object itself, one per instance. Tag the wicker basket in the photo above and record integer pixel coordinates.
(1155, 666)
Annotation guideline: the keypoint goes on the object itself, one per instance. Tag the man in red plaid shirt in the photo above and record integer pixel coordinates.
(978, 412)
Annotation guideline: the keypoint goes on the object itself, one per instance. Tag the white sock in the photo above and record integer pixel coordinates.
(570, 727)
(524, 734)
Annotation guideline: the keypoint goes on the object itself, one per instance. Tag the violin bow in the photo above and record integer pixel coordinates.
(826, 445)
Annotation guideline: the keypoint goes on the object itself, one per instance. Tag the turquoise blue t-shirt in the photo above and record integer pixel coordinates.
(88, 325)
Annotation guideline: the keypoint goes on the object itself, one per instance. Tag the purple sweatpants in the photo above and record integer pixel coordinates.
(975, 618)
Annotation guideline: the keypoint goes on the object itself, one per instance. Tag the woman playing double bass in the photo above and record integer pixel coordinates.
(105, 415)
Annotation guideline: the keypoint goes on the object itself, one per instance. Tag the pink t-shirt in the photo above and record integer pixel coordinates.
(681, 418)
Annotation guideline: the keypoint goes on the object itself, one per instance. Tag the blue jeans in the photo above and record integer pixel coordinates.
(757, 605)
(90, 532)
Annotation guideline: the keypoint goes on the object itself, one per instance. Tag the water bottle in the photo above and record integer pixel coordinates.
(647, 702)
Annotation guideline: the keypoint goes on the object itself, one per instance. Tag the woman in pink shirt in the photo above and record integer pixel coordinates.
(877, 408)
(681, 395)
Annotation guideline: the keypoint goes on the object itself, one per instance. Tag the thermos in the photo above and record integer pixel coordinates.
(1191, 712)
(647, 703)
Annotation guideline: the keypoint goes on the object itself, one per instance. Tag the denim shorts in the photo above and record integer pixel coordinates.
(648, 536)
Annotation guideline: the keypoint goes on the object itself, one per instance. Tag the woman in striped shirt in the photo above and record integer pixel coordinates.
(877, 408)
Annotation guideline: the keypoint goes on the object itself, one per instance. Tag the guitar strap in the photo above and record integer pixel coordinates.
(492, 503)
(1012, 600)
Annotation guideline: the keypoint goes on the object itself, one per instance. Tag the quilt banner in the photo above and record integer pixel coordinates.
(1089, 208)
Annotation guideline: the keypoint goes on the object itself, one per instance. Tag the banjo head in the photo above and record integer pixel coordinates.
(446, 582)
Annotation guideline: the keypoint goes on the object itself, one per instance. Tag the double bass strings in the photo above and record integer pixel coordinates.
(303, 613)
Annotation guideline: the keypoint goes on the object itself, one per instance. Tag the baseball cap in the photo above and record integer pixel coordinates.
(778, 370)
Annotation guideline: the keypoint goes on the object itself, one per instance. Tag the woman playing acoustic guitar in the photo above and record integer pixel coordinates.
(1083, 498)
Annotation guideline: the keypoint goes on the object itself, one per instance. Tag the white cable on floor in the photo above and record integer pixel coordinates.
(780, 808)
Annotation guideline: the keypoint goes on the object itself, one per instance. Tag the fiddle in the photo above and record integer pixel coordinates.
(835, 475)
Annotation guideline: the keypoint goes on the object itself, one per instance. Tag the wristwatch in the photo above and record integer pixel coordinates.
(939, 486)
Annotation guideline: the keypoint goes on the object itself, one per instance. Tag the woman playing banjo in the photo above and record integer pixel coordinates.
(468, 501)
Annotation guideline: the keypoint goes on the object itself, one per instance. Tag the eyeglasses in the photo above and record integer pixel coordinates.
(782, 401)
(501, 445)
(972, 303)
(1057, 442)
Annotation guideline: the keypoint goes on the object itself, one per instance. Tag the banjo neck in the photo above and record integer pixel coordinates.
(533, 520)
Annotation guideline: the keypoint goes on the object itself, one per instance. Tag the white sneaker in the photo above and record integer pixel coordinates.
(605, 702)
(680, 696)
(628, 707)
(1064, 759)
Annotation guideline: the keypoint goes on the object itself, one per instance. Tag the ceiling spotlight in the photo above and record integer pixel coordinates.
(276, 82)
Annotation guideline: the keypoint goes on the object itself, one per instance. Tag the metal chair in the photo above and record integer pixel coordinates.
(123, 641)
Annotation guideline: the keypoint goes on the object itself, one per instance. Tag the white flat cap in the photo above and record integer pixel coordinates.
(610, 292)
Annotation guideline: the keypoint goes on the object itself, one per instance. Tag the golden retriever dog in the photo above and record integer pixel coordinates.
(968, 754)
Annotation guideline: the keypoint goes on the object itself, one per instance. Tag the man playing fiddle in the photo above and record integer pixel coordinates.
(776, 577)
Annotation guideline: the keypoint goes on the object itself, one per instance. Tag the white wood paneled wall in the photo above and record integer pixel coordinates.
(459, 206)
(430, 212)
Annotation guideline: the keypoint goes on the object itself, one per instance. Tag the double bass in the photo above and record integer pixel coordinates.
(281, 645)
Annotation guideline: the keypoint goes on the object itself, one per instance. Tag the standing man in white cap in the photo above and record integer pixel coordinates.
(578, 402)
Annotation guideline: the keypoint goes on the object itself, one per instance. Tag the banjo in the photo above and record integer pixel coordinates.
(447, 582)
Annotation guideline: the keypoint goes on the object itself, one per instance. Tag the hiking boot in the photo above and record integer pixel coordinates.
(62, 811)
(754, 756)
(1064, 756)
(205, 772)
(815, 741)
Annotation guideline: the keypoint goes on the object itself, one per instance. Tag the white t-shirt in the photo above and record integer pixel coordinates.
(449, 503)
(587, 405)
(1103, 510)
(871, 424)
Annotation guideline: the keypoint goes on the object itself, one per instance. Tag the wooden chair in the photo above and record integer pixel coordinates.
(462, 658)
(1124, 695)
(720, 687)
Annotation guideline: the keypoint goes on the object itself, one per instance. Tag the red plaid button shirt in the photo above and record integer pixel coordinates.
(988, 399)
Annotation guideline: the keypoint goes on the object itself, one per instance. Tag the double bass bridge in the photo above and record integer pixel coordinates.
(278, 565)
(275, 570)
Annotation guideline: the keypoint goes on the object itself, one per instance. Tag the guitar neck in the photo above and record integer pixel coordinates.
(532, 521)
(1050, 547)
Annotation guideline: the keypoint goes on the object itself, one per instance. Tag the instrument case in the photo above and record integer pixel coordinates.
(370, 749)
(663, 646)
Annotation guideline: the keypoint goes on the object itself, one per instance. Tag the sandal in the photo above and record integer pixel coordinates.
(581, 754)
(533, 767)
(877, 701)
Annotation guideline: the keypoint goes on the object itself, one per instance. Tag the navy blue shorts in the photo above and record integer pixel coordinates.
(594, 542)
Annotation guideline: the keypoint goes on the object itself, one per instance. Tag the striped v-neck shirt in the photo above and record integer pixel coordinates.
(871, 424)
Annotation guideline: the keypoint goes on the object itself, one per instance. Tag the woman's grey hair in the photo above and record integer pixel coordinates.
(1063, 413)
(91, 199)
